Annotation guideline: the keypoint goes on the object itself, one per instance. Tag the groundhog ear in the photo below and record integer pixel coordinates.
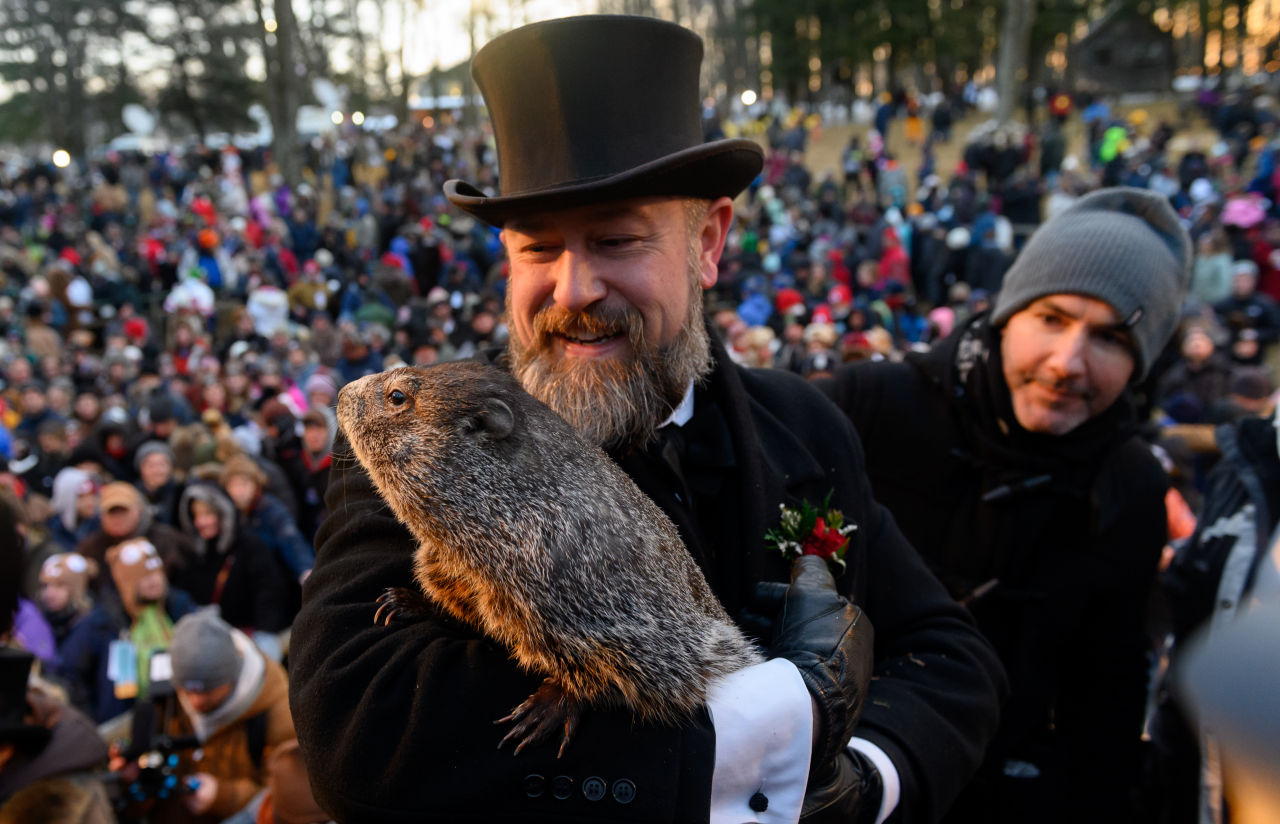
(496, 419)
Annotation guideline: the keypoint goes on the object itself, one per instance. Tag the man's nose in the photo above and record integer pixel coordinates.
(577, 285)
(1067, 357)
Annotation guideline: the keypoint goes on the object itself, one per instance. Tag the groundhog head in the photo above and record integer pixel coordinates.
(440, 443)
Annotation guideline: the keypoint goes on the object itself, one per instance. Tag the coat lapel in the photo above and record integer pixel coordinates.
(774, 468)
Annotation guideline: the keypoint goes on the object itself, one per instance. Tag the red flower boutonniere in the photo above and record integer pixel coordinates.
(811, 530)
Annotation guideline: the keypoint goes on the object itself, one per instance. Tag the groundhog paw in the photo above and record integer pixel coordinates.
(547, 710)
(398, 602)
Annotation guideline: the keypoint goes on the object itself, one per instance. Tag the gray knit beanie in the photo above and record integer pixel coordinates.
(202, 652)
(1121, 245)
(151, 448)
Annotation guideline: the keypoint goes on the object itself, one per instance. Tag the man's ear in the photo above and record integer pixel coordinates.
(711, 239)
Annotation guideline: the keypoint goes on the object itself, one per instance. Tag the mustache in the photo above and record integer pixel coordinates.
(1062, 386)
(594, 321)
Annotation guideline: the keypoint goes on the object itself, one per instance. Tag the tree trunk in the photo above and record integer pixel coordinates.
(1015, 36)
(733, 49)
(284, 96)
(470, 117)
(361, 59)
(402, 101)
(384, 70)
(72, 126)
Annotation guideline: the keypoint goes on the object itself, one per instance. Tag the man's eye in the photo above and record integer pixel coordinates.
(536, 248)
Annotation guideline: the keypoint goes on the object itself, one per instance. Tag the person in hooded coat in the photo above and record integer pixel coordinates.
(317, 458)
(75, 507)
(231, 567)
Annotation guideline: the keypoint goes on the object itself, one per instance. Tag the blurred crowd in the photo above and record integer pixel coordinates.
(174, 330)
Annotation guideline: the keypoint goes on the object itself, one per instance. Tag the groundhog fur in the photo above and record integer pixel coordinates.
(533, 536)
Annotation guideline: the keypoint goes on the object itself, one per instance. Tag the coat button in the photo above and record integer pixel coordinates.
(562, 787)
(593, 788)
(624, 791)
(759, 802)
(534, 785)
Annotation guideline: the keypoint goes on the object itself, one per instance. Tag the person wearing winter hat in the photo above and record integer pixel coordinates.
(156, 462)
(125, 514)
(320, 390)
(231, 694)
(317, 458)
(1009, 454)
(264, 514)
(105, 659)
(232, 568)
(64, 591)
(138, 574)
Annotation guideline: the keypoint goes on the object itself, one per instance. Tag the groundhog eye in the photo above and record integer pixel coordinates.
(398, 398)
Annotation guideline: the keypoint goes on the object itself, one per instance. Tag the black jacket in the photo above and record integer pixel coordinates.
(397, 723)
(1210, 579)
(234, 570)
(1051, 542)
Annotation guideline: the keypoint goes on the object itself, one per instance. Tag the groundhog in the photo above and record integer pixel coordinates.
(533, 536)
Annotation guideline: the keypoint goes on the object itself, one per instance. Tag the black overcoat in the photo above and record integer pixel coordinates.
(397, 723)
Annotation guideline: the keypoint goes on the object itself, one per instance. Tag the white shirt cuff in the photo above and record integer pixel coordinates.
(888, 775)
(764, 735)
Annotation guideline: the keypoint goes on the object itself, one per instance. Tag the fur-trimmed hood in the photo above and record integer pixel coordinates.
(214, 497)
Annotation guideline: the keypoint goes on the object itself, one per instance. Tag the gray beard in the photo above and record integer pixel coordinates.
(617, 404)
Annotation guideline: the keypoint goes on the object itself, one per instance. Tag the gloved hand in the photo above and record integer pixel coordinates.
(850, 795)
(831, 643)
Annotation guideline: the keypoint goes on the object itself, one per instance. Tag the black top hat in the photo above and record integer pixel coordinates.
(597, 108)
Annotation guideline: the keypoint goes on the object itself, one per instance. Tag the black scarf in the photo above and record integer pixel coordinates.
(1026, 484)
(976, 372)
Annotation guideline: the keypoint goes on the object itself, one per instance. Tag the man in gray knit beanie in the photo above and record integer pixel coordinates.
(1089, 304)
(1122, 246)
(1009, 455)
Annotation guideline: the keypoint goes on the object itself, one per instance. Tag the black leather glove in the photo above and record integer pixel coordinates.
(851, 795)
(831, 642)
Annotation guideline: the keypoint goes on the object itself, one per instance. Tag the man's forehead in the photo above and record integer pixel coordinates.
(646, 209)
(1080, 307)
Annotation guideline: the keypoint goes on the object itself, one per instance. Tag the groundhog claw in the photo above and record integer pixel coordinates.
(540, 715)
(396, 601)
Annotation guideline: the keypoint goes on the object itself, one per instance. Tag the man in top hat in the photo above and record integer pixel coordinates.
(1009, 454)
(614, 215)
(49, 752)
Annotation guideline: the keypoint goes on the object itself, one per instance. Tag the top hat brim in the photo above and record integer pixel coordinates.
(26, 737)
(722, 168)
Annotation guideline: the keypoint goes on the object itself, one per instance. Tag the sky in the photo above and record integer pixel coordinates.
(437, 31)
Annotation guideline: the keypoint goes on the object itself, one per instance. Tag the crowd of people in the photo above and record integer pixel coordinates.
(176, 329)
